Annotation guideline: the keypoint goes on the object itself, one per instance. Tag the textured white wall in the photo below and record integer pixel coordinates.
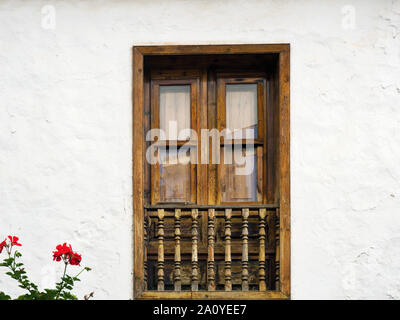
(65, 132)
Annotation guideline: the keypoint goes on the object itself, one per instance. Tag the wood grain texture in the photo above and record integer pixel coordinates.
(232, 188)
(210, 206)
(228, 257)
(284, 145)
(277, 275)
(160, 259)
(202, 123)
(195, 262)
(210, 256)
(274, 149)
(245, 250)
(137, 171)
(212, 49)
(177, 182)
(261, 259)
(177, 260)
(146, 240)
(214, 295)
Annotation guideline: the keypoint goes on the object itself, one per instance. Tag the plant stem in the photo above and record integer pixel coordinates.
(79, 273)
(62, 283)
(65, 269)
(13, 268)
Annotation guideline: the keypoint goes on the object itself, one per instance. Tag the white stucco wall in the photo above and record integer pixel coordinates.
(65, 132)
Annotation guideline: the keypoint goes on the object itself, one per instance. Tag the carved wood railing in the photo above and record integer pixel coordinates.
(211, 248)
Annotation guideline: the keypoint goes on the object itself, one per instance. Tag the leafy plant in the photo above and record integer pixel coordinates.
(16, 271)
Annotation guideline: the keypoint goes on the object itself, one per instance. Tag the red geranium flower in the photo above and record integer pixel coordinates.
(2, 245)
(14, 241)
(64, 252)
(75, 259)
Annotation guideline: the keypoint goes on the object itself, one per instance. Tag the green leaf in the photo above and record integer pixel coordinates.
(50, 291)
(68, 296)
(4, 296)
(49, 294)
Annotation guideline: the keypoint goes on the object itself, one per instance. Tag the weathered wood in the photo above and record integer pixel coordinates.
(284, 162)
(278, 175)
(211, 49)
(146, 239)
(212, 148)
(210, 257)
(214, 295)
(261, 259)
(228, 258)
(245, 250)
(219, 213)
(270, 151)
(160, 260)
(277, 251)
(219, 249)
(195, 262)
(202, 123)
(137, 170)
(177, 259)
(160, 182)
(209, 206)
(228, 189)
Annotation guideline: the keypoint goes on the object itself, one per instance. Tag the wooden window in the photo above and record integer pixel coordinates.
(211, 229)
(242, 105)
(174, 110)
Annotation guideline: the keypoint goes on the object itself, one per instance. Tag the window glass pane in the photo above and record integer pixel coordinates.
(239, 175)
(174, 176)
(241, 108)
(174, 110)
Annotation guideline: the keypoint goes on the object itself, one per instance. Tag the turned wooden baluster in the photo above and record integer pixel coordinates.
(245, 250)
(210, 259)
(177, 273)
(160, 260)
(228, 258)
(261, 255)
(145, 238)
(195, 262)
(277, 250)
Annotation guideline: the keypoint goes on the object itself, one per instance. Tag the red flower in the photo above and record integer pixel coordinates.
(2, 245)
(75, 259)
(64, 252)
(14, 240)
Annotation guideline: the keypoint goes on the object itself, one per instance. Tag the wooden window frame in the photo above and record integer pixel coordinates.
(155, 123)
(224, 79)
(138, 158)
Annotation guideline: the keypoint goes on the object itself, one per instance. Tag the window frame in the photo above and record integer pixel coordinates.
(224, 79)
(283, 183)
(155, 85)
